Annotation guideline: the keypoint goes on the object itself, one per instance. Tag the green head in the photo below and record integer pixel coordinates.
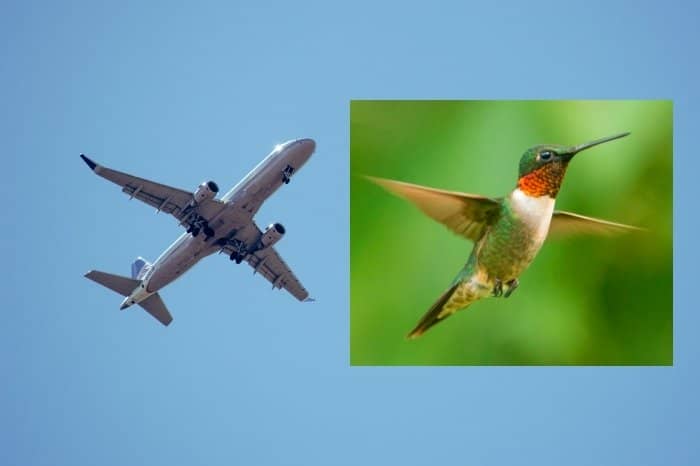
(542, 167)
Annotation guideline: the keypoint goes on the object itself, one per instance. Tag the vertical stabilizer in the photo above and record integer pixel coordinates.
(139, 268)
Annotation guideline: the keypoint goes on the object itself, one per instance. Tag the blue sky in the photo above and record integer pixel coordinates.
(183, 93)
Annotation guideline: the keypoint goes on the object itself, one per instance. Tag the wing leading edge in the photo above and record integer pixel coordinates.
(164, 198)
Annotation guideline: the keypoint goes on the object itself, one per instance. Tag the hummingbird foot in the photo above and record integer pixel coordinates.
(497, 288)
(512, 285)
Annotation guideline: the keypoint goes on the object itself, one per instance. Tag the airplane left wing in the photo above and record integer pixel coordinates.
(174, 201)
(270, 265)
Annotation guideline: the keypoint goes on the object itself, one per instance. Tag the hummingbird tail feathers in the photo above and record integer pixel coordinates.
(436, 313)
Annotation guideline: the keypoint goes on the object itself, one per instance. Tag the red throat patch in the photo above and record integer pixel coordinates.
(544, 181)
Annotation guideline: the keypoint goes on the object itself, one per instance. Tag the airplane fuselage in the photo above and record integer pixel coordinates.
(231, 223)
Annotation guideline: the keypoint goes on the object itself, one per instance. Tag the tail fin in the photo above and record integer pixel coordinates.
(125, 286)
(122, 285)
(435, 314)
(155, 306)
(139, 268)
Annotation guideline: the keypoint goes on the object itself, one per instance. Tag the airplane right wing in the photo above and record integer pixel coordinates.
(270, 265)
(174, 201)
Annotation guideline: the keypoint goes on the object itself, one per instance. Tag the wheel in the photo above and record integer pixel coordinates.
(208, 231)
(239, 259)
(233, 256)
(195, 232)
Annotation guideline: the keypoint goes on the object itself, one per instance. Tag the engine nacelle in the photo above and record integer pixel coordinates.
(205, 191)
(272, 234)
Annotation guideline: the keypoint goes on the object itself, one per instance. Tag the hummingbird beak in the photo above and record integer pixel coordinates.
(569, 153)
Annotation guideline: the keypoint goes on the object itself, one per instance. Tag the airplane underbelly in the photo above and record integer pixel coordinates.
(178, 262)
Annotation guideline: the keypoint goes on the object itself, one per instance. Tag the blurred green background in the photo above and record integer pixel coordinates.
(584, 300)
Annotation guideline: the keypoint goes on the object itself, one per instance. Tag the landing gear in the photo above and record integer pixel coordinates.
(240, 251)
(287, 174)
(199, 224)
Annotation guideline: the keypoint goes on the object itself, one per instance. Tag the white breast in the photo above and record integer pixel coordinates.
(535, 212)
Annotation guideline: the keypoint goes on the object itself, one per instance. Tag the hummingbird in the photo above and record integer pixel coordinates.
(507, 232)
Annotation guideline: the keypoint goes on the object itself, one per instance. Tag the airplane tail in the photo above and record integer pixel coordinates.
(154, 305)
(139, 268)
(122, 285)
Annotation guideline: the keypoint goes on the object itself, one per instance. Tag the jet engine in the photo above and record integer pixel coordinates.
(272, 234)
(205, 191)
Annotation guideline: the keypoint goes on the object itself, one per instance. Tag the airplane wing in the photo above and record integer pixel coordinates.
(270, 265)
(174, 201)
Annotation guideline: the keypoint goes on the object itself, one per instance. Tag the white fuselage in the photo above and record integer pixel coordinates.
(234, 218)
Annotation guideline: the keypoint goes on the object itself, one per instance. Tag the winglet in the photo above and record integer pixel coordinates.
(89, 162)
(310, 300)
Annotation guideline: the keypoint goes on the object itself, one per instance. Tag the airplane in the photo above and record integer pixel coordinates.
(212, 225)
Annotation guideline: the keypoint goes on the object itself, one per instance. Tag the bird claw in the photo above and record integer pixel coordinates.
(512, 285)
(497, 288)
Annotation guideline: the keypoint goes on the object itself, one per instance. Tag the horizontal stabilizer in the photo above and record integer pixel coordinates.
(122, 285)
(156, 307)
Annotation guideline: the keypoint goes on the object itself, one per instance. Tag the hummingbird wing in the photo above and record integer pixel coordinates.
(467, 215)
(566, 223)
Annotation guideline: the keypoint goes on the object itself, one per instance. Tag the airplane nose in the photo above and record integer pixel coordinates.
(305, 147)
(308, 144)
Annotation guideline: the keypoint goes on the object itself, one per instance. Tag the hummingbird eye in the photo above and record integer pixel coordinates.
(546, 155)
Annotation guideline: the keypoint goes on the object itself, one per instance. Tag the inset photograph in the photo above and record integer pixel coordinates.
(511, 232)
